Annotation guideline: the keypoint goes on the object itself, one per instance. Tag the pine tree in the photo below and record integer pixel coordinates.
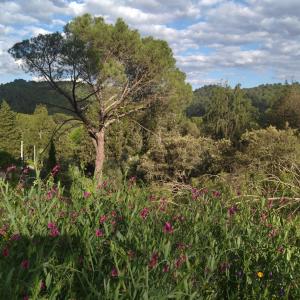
(9, 133)
(52, 157)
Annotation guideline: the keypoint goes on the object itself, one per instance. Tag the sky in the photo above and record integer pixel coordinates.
(250, 42)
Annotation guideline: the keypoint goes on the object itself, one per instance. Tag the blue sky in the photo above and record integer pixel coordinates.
(249, 42)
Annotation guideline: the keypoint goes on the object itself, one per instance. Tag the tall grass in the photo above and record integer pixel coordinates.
(128, 243)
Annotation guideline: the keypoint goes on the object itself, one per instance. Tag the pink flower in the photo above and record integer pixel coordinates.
(54, 232)
(114, 272)
(113, 213)
(153, 260)
(15, 237)
(51, 225)
(216, 194)
(144, 213)
(55, 170)
(43, 285)
(86, 194)
(232, 210)
(5, 252)
(102, 219)
(168, 228)
(12, 168)
(99, 233)
(179, 262)
(25, 264)
(166, 269)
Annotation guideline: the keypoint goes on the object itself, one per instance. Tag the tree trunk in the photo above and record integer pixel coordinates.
(100, 155)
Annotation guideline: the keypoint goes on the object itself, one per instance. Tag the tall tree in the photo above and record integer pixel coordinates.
(228, 114)
(9, 134)
(286, 111)
(112, 71)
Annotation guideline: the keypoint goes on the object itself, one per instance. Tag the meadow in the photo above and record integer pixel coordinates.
(136, 242)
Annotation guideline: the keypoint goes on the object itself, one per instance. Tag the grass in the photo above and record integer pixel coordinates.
(128, 243)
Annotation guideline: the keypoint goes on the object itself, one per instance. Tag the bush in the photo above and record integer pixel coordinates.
(176, 157)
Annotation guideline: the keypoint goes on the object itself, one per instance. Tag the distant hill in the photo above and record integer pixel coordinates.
(262, 97)
(23, 96)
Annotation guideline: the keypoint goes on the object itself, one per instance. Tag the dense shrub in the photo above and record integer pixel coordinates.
(176, 157)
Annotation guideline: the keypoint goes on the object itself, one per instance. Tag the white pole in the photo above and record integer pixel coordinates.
(34, 154)
(22, 154)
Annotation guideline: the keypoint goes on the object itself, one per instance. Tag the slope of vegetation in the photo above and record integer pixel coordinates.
(137, 243)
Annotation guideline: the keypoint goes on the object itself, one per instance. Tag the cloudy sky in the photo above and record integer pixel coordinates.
(239, 41)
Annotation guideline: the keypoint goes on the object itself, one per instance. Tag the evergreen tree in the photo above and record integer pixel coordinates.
(51, 157)
(9, 134)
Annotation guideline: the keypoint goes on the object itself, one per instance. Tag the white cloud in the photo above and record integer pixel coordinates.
(205, 35)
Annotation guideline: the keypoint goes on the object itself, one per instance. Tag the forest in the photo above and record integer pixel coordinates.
(118, 181)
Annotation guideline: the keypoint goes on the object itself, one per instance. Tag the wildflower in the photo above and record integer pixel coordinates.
(280, 249)
(166, 269)
(232, 210)
(25, 170)
(224, 266)
(152, 198)
(216, 194)
(153, 260)
(168, 228)
(12, 168)
(195, 193)
(113, 213)
(86, 194)
(260, 274)
(54, 232)
(43, 285)
(144, 213)
(273, 233)
(102, 219)
(25, 264)
(99, 233)
(5, 252)
(15, 237)
(179, 262)
(114, 272)
(55, 170)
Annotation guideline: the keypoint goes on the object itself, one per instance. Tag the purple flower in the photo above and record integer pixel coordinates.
(55, 170)
(86, 194)
(99, 233)
(25, 264)
(144, 213)
(232, 210)
(153, 260)
(12, 168)
(114, 272)
(168, 228)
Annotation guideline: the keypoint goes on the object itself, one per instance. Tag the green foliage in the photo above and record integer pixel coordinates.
(175, 157)
(108, 244)
(269, 149)
(229, 113)
(36, 130)
(286, 110)
(9, 133)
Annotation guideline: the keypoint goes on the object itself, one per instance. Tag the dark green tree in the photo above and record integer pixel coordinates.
(286, 111)
(112, 71)
(9, 134)
(51, 162)
(229, 113)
